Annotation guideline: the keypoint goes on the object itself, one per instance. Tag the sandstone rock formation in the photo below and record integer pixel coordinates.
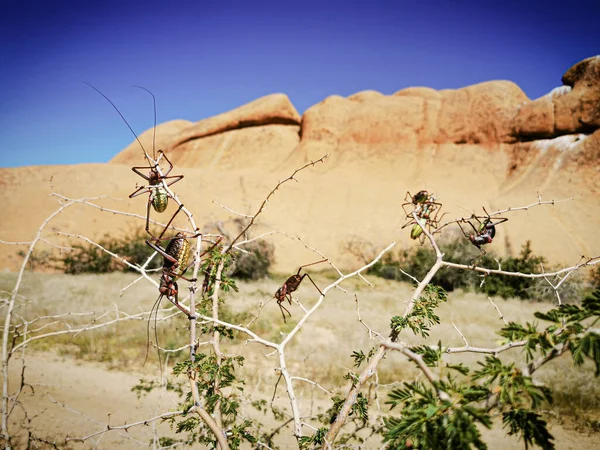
(574, 110)
(270, 122)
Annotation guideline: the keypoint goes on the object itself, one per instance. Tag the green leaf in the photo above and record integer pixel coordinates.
(529, 426)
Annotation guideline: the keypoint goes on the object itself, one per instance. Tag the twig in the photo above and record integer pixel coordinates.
(266, 200)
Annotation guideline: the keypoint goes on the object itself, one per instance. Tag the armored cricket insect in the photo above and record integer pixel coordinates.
(426, 209)
(175, 263)
(484, 233)
(291, 285)
(159, 197)
(175, 260)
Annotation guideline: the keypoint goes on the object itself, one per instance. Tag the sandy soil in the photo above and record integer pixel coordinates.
(77, 399)
(93, 395)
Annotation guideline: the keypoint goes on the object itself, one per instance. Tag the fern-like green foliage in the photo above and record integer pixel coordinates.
(215, 378)
(306, 442)
(444, 414)
(427, 422)
(571, 329)
(423, 316)
(205, 370)
(530, 426)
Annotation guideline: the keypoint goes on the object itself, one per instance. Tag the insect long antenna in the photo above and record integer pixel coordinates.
(122, 116)
(154, 309)
(156, 338)
(154, 129)
(465, 209)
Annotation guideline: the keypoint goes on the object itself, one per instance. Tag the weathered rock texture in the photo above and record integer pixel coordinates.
(573, 109)
(482, 145)
(229, 140)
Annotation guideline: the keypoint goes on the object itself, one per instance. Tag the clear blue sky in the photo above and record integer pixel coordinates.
(204, 57)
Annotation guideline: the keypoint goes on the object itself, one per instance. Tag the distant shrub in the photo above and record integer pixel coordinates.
(417, 262)
(509, 286)
(254, 264)
(595, 277)
(91, 259)
(39, 259)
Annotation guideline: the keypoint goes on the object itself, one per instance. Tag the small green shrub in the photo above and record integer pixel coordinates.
(255, 264)
(595, 277)
(38, 259)
(416, 262)
(506, 286)
(91, 259)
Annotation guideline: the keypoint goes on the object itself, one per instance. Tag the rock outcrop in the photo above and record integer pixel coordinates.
(268, 125)
(574, 108)
(415, 117)
(370, 124)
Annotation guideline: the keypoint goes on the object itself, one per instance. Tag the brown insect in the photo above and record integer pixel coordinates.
(176, 262)
(291, 285)
(176, 258)
(159, 197)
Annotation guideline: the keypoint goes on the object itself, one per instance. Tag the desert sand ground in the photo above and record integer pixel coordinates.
(78, 396)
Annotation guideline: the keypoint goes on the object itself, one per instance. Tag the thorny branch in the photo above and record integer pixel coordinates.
(266, 200)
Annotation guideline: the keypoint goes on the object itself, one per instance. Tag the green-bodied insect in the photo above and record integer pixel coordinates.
(416, 231)
(426, 209)
(159, 197)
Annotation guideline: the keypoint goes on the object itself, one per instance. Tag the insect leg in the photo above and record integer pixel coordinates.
(312, 264)
(162, 252)
(283, 308)
(177, 178)
(141, 174)
(148, 217)
(139, 191)
(463, 230)
(314, 284)
(170, 164)
(410, 222)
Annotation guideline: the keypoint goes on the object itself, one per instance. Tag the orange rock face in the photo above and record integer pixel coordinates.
(571, 109)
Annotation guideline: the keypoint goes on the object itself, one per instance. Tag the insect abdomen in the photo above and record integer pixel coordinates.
(160, 199)
(179, 249)
(416, 231)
